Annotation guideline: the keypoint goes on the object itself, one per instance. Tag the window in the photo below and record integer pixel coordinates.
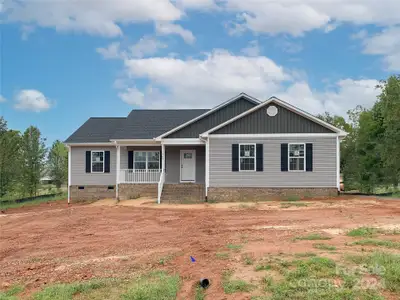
(146, 160)
(296, 157)
(97, 161)
(247, 157)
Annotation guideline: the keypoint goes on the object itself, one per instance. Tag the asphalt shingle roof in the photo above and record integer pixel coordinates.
(140, 124)
(96, 130)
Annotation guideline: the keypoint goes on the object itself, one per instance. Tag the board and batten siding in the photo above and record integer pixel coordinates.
(323, 174)
(78, 167)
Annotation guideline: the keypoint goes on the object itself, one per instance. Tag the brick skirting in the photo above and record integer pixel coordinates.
(91, 192)
(237, 194)
(128, 191)
(183, 193)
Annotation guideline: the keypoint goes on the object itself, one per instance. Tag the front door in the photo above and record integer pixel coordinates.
(188, 165)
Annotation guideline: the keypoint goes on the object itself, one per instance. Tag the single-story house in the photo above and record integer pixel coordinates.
(241, 149)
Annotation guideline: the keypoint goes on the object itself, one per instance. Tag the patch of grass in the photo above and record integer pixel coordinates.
(68, 291)
(222, 255)
(165, 259)
(313, 237)
(234, 247)
(263, 267)
(248, 260)
(10, 293)
(290, 204)
(199, 294)
(37, 201)
(292, 198)
(305, 254)
(154, 286)
(231, 286)
(362, 231)
(379, 243)
(324, 247)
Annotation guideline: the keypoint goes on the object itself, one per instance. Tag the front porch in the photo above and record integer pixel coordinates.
(161, 170)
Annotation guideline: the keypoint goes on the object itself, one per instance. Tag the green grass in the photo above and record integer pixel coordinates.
(248, 260)
(362, 231)
(10, 293)
(292, 198)
(231, 286)
(387, 266)
(37, 201)
(379, 243)
(324, 247)
(199, 294)
(290, 204)
(313, 237)
(222, 255)
(305, 254)
(262, 267)
(234, 247)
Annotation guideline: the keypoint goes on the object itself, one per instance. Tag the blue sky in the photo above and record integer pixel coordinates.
(64, 61)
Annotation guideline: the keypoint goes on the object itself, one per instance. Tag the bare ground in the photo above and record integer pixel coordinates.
(59, 243)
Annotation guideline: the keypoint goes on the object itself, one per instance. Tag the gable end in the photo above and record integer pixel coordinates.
(285, 121)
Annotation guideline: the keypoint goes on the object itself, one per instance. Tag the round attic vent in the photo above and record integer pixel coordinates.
(272, 111)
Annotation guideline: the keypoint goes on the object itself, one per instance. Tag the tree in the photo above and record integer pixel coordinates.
(33, 159)
(58, 163)
(10, 141)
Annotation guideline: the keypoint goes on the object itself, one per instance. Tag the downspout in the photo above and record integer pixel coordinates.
(69, 173)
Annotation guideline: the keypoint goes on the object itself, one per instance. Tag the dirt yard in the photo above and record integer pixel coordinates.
(47, 244)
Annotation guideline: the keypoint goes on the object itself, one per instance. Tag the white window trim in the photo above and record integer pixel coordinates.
(153, 170)
(255, 157)
(304, 169)
(91, 161)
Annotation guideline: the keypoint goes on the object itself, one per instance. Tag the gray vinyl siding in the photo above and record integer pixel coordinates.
(285, 121)
(78, 167)
(172, 155)
(219, 116)
(323, 174)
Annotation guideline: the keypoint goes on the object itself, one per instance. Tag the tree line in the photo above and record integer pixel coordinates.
(24, 160)
(370, 154)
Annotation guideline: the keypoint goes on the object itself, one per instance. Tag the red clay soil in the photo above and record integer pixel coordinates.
(45, 244)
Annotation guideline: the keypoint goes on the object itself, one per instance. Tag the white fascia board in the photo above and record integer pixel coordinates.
(188, 141)
(284, 104)
(256, 101)
(89, 144)
(272, 135)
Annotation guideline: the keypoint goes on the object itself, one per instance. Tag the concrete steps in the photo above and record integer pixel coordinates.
(183, 193)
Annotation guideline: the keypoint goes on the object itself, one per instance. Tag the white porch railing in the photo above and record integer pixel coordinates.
(160, 187)
(139, 176)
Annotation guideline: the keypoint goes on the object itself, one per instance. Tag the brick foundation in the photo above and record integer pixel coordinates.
(91, 192)
(237, 194)
(134, 190)
(183, 193)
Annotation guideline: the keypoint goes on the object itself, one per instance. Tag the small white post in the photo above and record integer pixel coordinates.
(69, 173)
(118, 170)
(207, 165)
(338, 162)
(162, 158)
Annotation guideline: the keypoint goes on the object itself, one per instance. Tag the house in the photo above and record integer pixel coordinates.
(241, 149)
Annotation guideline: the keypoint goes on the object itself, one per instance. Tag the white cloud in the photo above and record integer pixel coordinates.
(166, 28)
(32, 100)
(112, 51)
(289, 46)
(360, 35)
(132, 96)
(196, 4)
(92, 17)
(299, 16)
(2, 99)
(386, 43)
(252, 49)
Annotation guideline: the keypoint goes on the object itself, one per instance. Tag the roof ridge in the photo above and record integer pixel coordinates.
(107, 117)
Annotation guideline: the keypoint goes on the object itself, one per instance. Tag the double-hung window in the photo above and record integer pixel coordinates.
(247, 157)
(146, 160)
(297, 157)
(97, 162)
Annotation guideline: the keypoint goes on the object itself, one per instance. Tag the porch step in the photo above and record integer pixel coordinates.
(183, 193)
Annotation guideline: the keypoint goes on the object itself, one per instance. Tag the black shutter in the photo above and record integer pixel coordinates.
(235, 157)
(259, 158)
(88, 162)
(309, 157)
(106, 161)
(130, 159)
(284, 157)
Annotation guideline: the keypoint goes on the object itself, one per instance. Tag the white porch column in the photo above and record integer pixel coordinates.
(118, 170)
(162, 158)
(207, 165)
(69, 173)
(338, 162)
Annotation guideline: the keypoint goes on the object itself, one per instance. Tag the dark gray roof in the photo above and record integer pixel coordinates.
(140, 124)
(148, 124)
(96, 130)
